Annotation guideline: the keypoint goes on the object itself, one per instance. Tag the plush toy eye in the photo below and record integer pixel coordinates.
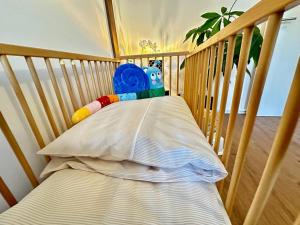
(159, 75)
(153, 76)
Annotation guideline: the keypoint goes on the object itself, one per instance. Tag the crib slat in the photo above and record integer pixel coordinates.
(238, 86)
(102, 81)
(69, 85)
(254, 100)
(96, 94)
(162, 68)
(279, 148)
(297, 222)
(87, 86)
(210, 80)
(216, 88)
(227, 73)
(98, 78)
(78, 83)
(17, 151)
(197, 85)
(57, 92)
(6, 193)
(21, 98)
(177, 76)
(203, 87)
(191, 83)
(170, 76)
(108, 77)
(41, 94)
(186, 74)
(103, 76)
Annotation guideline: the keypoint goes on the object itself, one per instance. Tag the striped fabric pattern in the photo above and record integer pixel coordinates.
(159, 132)
(70, 197)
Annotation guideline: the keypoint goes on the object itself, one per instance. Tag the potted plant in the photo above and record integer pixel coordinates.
(215, 22)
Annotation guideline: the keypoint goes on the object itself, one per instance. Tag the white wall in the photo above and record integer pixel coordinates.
(283, 65)
(65, 25)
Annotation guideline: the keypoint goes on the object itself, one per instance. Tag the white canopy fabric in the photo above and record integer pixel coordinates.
(164, 22)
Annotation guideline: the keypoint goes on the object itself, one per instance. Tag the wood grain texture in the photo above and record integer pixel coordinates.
(21, 98)
(254, 100)
(7, 49)
(17, 151)
(39, 88)
(283, 205)
(6, 193)
(112, 27)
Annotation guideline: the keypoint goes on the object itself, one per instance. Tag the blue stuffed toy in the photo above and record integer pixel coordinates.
(154, 75)
(155, 80)
(130, 78)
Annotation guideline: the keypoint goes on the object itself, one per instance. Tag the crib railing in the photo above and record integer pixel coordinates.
(96, 72)
(171, 62)
(203, 66)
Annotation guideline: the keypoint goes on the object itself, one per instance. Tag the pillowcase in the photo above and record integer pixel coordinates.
(159, 132)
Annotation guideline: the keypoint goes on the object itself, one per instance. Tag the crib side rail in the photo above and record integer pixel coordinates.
(170, 67)
(203, 66)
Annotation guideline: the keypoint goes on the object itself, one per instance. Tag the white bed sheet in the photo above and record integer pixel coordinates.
(86, 198)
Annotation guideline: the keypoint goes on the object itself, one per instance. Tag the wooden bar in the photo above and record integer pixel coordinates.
(253, 16)
(199, 83)
(163, 68)
(42, 96)
(57, 93)
(186, 74)
(297, 222)
(17, 151)
(21, 98)
(196, 85)
(96, 94)
(153, 55)
(104, 81)
(6, 193)
(227, 74)
(141, 62)
(112, 27)
(170, 77)
(279, 148)
(238, 86)
(216, 89)
(98, 78)
(69, 85)
(210, 80)
(177, 76)
(16, 50)
(101, 80)
(254, 100)
(203, 88)
(78, 83)
(87, 86)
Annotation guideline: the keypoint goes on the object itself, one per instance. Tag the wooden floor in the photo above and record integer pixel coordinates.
(284, 203)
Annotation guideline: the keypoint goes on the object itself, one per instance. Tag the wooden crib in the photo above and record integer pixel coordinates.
(202, 66)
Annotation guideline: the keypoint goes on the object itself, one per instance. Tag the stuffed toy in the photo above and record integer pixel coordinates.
(155, 80)
(130, 83)
(130, 78)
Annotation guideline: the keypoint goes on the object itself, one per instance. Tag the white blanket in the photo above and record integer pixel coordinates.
(70, 197)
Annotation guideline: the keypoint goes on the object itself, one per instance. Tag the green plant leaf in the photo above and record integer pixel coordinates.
(210, 15)
(216, 28)
(200, 39)
(208, 24)
(182, 64)
(190, 33)
(194, 36)
(208, 34)
(236, 13)
(226, 22)
(223, 10)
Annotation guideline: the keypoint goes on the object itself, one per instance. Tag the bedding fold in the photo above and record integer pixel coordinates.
(154, 140)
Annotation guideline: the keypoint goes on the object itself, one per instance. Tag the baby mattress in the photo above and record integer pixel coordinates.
(72, 196)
